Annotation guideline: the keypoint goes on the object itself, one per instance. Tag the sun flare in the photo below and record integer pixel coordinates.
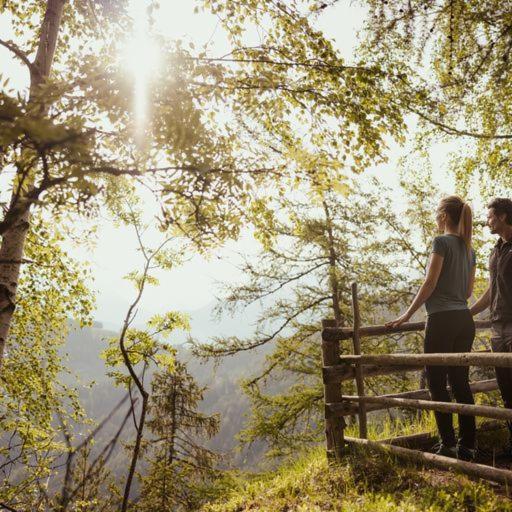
(141, 57)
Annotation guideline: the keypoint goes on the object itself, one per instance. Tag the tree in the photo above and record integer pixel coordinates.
(316, 247)
(314, 251)
(220, 127)
(180, 470)
(454, 58)
(54, 294)
(135, 351)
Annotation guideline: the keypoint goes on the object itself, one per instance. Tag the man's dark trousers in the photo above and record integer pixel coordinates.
(501, 341)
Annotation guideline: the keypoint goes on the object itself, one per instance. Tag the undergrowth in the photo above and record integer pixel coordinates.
(363, 481)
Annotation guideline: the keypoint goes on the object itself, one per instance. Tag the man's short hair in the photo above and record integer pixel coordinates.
(502, 205)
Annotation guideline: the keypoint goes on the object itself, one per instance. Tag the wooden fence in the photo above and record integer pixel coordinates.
(338, 368)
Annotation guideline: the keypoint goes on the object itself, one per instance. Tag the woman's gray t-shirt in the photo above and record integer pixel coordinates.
(450, 292)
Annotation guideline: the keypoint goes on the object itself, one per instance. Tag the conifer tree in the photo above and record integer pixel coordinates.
(180, 469)
(316, 247)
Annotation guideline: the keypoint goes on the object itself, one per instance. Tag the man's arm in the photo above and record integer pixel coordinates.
(482, 303)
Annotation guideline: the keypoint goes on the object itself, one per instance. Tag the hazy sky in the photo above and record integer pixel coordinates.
(191, 287)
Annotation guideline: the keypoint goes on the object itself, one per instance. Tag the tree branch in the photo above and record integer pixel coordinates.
(13, 48)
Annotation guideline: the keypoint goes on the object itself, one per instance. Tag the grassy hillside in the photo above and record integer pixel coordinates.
(363, 482)
(368, 482)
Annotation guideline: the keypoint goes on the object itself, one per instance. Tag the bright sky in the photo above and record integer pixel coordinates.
(191, 287)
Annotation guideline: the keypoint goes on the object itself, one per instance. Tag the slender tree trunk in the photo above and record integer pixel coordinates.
(13, 240)
(170, 459)
(335, 293)
(136, 451)
(170, 447)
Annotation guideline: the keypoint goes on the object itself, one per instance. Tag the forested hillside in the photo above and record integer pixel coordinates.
(99, 396)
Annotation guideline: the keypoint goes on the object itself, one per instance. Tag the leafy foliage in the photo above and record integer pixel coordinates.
(53, 290)
(454, 59)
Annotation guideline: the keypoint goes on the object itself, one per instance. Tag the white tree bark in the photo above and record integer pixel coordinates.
(13, 240)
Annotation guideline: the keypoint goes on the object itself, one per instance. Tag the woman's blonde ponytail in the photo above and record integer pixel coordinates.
(465, 227)
(460, 216)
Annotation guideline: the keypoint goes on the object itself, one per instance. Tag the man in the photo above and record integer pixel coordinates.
(498, 295)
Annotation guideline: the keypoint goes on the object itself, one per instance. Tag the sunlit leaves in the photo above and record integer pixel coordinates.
(454, 61)
(138, 278)
(167, 323)
(143, 349)
(52, 292)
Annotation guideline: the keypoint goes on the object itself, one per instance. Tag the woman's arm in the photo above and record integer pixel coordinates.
(433, 272)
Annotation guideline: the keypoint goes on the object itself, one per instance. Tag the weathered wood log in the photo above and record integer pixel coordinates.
(340, 373)
(348, 408)
(422, 440)
(332, 394)
(501, 359)
(490, 473)
(331, 334)
(485, 411)
(358, 370)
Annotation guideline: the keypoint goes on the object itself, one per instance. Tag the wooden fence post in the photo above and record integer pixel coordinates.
(334, 426)
(363, 429)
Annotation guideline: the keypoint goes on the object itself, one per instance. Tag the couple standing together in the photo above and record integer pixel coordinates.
(450, 328)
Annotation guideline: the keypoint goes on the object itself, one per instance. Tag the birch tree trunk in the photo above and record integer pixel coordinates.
(13, 240)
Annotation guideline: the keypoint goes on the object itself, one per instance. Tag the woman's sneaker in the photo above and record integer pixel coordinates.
(465, 453)
(445, 451)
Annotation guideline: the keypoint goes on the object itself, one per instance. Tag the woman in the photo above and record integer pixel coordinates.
(450, 326)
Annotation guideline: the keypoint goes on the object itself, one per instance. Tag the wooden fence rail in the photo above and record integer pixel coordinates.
(333, 333)
(487, 411)
(502, 476)
(347, 408)
(346, 371)
(338, 368)
(501, 360)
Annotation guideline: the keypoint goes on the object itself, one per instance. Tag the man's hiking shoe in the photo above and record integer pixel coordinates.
(465, 453)
(445, 451)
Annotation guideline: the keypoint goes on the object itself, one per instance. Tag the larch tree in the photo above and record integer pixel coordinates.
(315, 247)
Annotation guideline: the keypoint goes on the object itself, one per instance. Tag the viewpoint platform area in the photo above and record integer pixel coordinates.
(340, 369)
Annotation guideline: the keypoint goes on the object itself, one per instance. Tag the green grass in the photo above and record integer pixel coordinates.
(362, 482)
(365, 481)
(385, 428)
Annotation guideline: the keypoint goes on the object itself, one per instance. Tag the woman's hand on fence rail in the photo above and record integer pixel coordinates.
(397, 322)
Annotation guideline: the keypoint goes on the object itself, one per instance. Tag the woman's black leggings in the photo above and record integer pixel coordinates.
(451, 331)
